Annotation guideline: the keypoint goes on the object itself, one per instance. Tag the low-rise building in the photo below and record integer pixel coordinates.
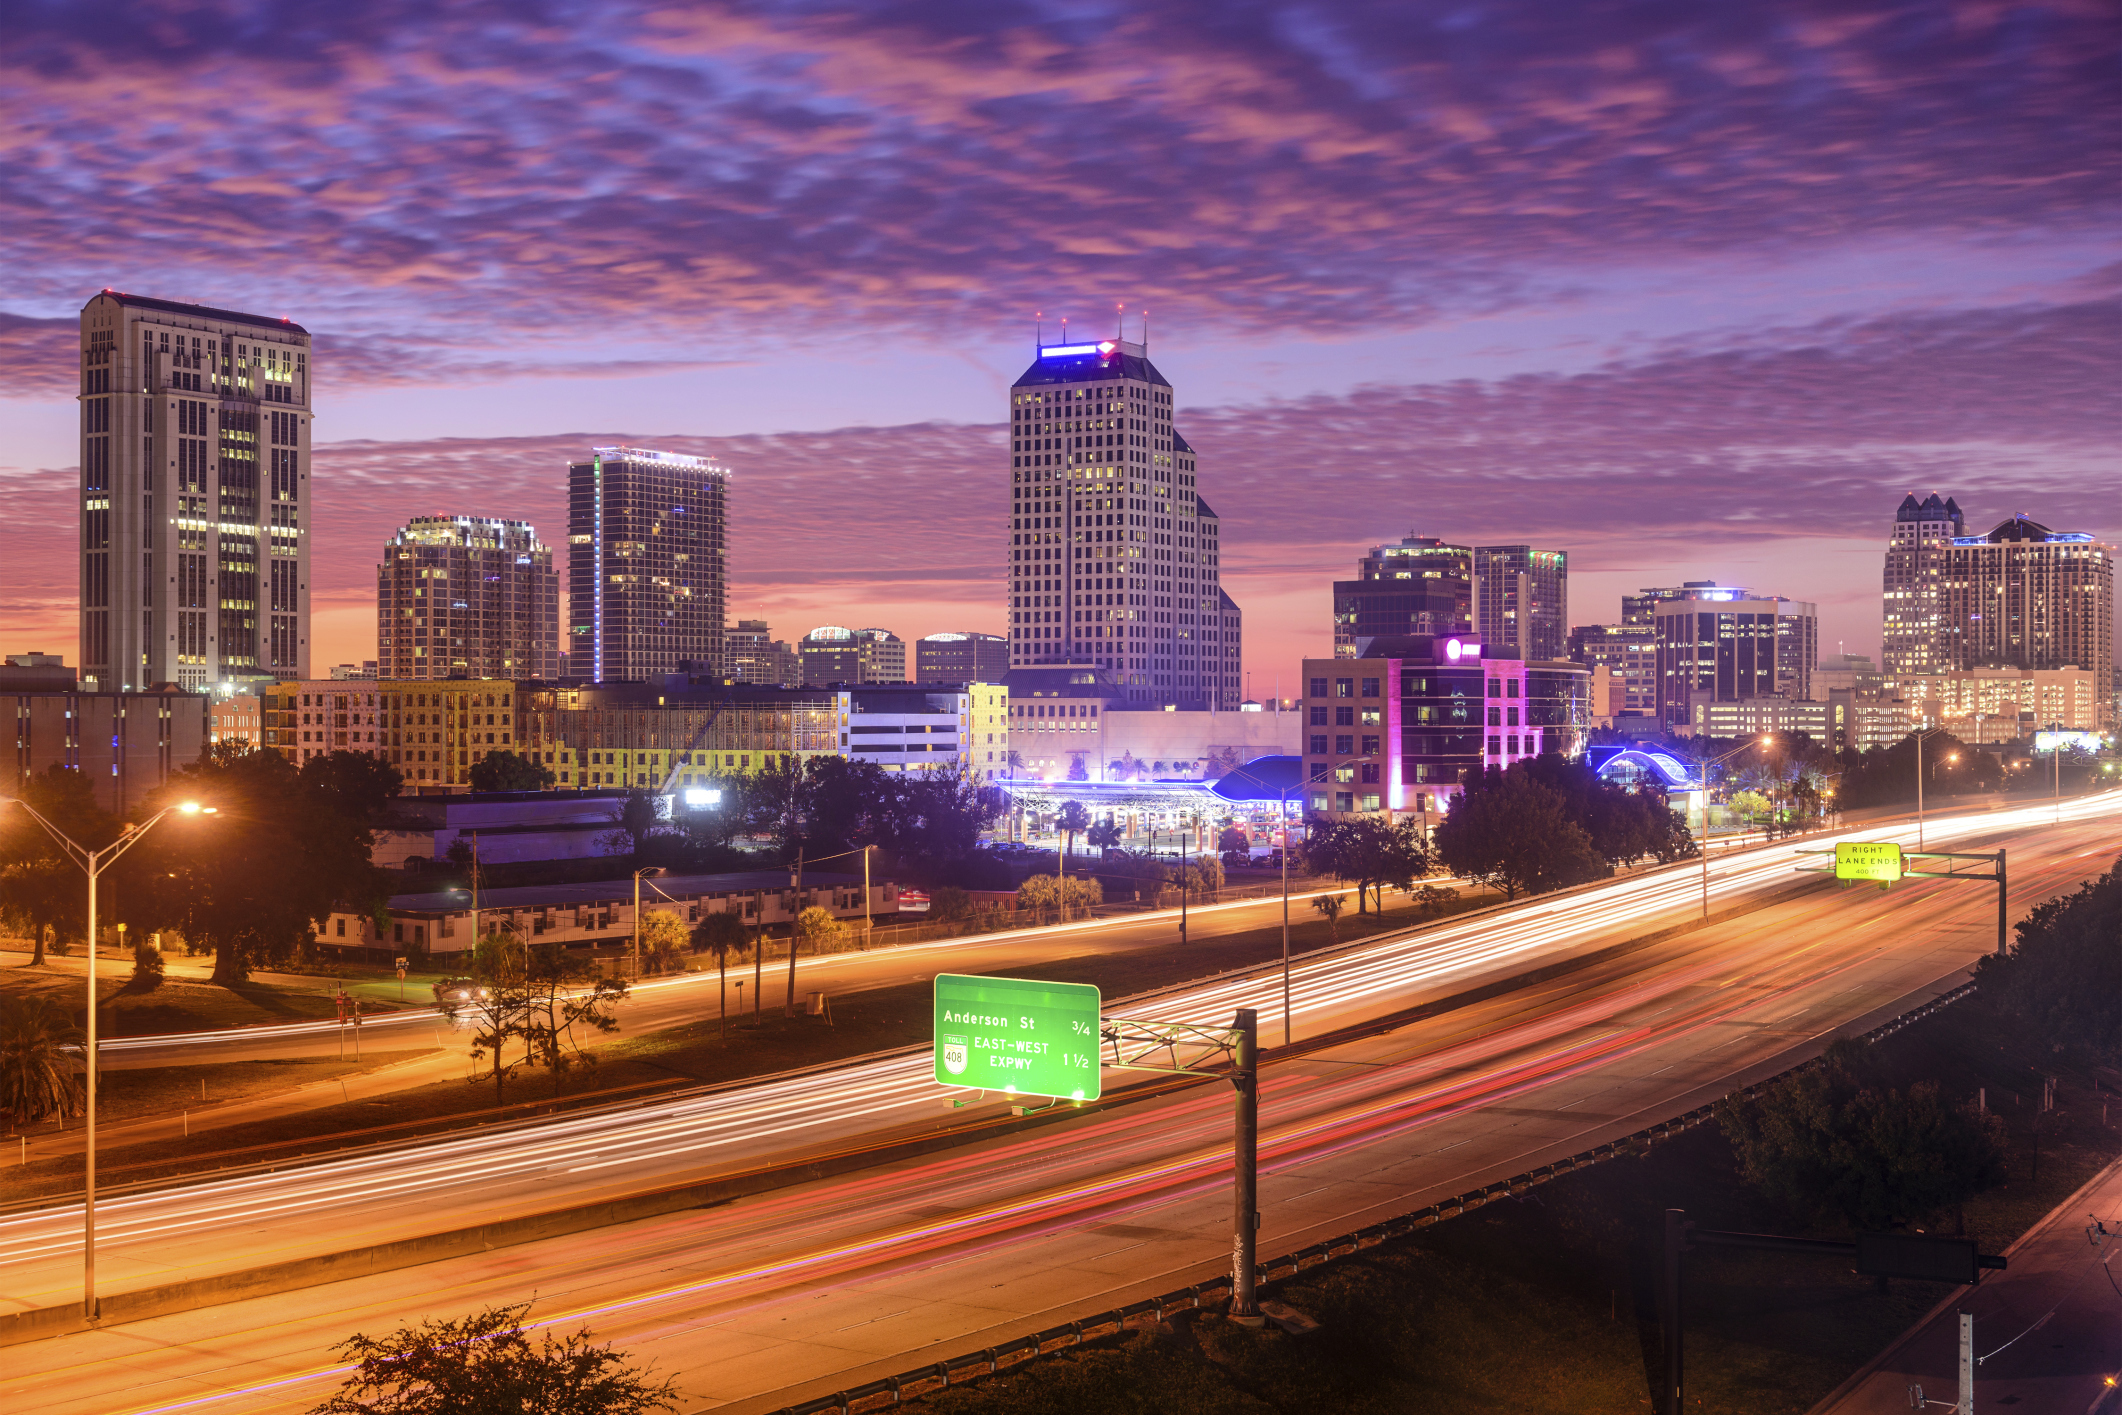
(235, 720)
(598, 912)
(433, 732)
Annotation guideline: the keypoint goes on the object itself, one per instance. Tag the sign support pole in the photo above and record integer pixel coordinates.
(2000, 903)
(1245, 1077)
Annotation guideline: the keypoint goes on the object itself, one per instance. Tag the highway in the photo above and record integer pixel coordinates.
(829, 1283)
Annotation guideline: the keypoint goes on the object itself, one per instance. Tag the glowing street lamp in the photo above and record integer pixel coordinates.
(94, 863)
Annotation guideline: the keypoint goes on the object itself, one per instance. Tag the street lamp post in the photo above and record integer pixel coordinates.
(1920, 735)
(94, 863)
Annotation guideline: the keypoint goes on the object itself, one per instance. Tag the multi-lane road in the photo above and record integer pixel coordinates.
(829, 1283)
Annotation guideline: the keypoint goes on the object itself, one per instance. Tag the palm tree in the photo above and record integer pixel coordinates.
(40, 1058)
(718, 933)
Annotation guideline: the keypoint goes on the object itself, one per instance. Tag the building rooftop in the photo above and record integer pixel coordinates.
(621, 890)
(1091, 363)
(149, 302)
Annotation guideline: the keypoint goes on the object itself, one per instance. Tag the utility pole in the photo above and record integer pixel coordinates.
(2000, 903)
(866, 919)
(1966, 1403)
(1245, 1237)
(1285, 918)
(758, 958)
(1186, 883)
(1675, 1381)
(795, 879)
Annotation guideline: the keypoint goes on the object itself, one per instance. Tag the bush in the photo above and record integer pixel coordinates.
(1833, 1139)
(147, 967)
(2063, 977)
(819, 929)
(1069, 892)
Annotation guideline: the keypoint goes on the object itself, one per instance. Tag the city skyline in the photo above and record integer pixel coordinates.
(1838, 291)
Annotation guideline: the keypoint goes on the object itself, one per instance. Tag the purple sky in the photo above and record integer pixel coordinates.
(1689, 291)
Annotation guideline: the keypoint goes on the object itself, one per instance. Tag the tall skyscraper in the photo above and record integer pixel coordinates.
(1114, 554)
(1420, 586)
(2024, 596)
(467, 597)
(195, 497)
(648, 564)
(1914, 620)
(1521, 601)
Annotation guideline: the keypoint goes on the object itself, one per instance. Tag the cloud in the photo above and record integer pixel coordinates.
(516, 171)
(1695, 452)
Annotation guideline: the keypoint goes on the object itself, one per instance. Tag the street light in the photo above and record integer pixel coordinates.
(1925, 732)
(1766, 740)
(1282, 814)
(94, 863)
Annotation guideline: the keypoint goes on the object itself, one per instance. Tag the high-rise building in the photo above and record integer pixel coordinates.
(1521, 600)
(1629, 654)
(2024, 596)
(751, 654)
(1641, 608)
(466, 597)
(195, 496)
(648, 564)
(1420, 586)
(1728, 646)
(961, 658)
(831, 654)
(1114, 554)
(1914, 619)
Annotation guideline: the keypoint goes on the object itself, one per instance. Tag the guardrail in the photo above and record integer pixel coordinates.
(893, 1390)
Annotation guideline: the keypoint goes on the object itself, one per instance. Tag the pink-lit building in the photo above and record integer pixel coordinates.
(1397, 728)
(236, 720)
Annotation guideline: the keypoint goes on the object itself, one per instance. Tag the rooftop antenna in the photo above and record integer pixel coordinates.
(1064, 329)
(1145, 331)
(1120, 318)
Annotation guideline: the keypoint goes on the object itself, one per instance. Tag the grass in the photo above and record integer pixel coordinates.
(1546, 1303)
(177, 1005)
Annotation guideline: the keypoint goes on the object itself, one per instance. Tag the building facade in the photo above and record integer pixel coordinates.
(124, 744)
(961, 657)
(433, 732)
(1420, 586)
(1913, 618)
(1731, 646)
(1398, 731)
(1521, 600)
(672, 734)
(466, 597)
(234, 720)
(195, 496)
(1114, 556)
(832, 655)
(648, 564)
(1629, 654)
(2024, 596)
(751, 654)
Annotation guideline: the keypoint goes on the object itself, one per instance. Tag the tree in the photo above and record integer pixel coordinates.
(499, 1007)
(1058, 892)
(947, 904)
(1331, 905)
(511, 771)
(1371, 851)
(1072, 820)
(1512, 833)
(1234, 845)
(147, 967)
(819, 928)
(40, 1058)
(1077, 771)
(486, 1365)
(556, 1003)
(2063, 977)
(638, 817)
(39, 880)
(663, 939)
(1103, 835)
(720, 933)
(1835, 1139)
(941, 813)
(227, 879)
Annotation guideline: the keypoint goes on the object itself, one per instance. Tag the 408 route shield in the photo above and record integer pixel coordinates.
(1018, 1036)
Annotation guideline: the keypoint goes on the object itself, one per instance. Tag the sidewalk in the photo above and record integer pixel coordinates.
(2059, 1306)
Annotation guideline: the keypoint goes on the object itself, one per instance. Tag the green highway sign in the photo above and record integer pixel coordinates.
(1017, 1035)
(1868, 859)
